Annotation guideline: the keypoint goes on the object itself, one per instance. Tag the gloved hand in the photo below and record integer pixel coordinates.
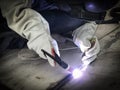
(29, 24)
(89, 45)
(47, 43)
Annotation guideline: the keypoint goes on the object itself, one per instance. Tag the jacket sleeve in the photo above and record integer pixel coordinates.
(24, 20)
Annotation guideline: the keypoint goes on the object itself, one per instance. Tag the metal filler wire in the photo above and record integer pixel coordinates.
(92, 38)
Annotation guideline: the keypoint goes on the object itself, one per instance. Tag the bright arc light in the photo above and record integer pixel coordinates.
(76, 73)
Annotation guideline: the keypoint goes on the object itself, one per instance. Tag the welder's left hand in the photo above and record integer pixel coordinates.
(91, 53)
(83, 38)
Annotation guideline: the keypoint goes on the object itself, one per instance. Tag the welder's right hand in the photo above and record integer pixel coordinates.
(47, 43)
(29, 24)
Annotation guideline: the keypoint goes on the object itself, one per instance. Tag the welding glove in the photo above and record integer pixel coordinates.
(88, 44)
(30, 25)
(48, 44)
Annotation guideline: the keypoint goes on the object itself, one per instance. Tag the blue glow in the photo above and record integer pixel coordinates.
(91, 5)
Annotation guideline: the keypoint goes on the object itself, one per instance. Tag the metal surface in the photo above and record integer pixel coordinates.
(62, 82)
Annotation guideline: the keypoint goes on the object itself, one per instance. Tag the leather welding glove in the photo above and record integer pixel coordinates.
(30, 25)
(46, 43)
(88, 44)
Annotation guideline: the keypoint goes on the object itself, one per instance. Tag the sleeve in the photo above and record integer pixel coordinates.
(22, 19)
(27, 23)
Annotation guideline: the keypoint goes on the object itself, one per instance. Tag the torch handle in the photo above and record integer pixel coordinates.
(57, 59)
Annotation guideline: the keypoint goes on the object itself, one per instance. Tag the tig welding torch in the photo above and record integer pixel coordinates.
(57, 59)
